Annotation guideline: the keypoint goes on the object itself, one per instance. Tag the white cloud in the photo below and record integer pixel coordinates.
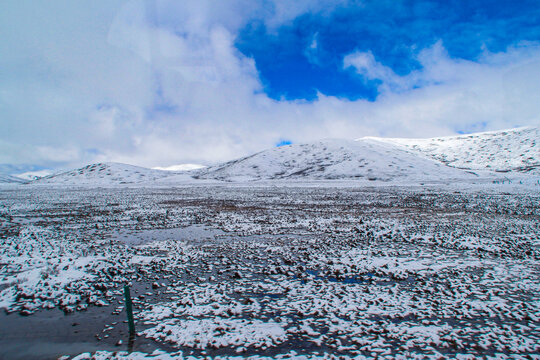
(448, 94)
(312, 50)
(366, 65)
(161, 82)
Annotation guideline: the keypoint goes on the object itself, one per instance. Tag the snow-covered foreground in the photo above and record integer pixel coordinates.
(271, 272)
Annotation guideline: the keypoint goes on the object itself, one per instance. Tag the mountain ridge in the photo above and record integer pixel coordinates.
(331, 159)
(500, 151)
(9, 179)
(104, 174)
(488, 155)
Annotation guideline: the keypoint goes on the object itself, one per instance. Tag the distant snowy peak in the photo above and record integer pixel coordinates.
(181, 167)
(500, 151)
(104, 174)
(334, 159)
(34, 175)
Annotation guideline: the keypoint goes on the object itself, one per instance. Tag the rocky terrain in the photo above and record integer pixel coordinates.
(271, 271)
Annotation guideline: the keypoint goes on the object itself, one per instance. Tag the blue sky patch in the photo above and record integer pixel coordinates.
(305, 57)
(283, 143)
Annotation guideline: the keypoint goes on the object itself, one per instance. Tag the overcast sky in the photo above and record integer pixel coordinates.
(159, 82)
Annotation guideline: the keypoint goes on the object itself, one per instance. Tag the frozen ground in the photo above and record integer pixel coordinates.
(269, 271)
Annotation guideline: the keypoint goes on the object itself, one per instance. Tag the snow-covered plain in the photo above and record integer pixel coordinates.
(268, 271)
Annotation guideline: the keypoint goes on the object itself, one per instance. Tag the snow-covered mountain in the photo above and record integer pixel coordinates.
(458, 158)
(105, 174)
(515, 150)
(335, 159)
(8, 179)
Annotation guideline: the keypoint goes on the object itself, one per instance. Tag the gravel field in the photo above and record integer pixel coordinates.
(271, 271)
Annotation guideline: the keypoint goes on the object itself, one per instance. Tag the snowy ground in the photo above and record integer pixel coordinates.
(270, 271)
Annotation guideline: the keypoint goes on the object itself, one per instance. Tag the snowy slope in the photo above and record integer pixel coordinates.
(335, 159)
(105, 174)
(516, 150)
(8, 179)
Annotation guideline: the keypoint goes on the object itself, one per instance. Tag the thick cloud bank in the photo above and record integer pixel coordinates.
(157, 83)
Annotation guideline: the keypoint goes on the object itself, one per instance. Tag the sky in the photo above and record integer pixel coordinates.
(164, 82)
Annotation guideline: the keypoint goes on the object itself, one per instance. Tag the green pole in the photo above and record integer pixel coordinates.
(129, 310)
